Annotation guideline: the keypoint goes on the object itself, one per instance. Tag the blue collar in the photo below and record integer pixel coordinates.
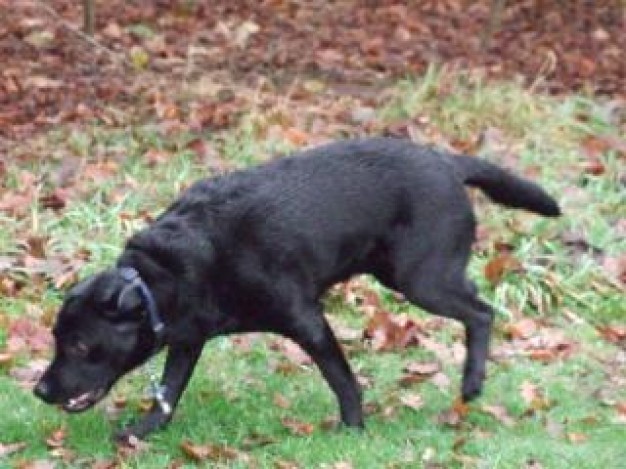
(135, 282)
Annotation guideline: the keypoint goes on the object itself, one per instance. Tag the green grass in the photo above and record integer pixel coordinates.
(231, 396)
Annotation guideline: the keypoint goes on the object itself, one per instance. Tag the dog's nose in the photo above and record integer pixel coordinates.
(42, 390)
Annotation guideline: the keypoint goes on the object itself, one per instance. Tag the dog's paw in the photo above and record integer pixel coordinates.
(151, 422)
(472, 386)
(125, 437)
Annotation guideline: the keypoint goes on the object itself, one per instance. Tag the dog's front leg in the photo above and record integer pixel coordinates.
(179, 365)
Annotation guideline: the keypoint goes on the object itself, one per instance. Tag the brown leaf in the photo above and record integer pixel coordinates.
(56, 438)
(615, 334)
(29, 374)
(292, 351)
(417, 372)
(256, 440)
(155, 157)
(422, 368)
(104, 464)
(391, 332)
(10, 448)
(454, 416)
(522, 329)
(280, 464)
(413, 401)
(296, 427)
(534, 397)
(56, 200)
(577, 437)
(595, 146)
(281, 401)
(615, 267)
(200, 453)
(296, 137)
(16, 204)
(26, 334)
(500, 413)
(441, 380)
(594, 167)
(37, 464)
(131, 446)
(5, 358)
(500, 265)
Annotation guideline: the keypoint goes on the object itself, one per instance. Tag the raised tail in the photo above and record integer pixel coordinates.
(504, 187)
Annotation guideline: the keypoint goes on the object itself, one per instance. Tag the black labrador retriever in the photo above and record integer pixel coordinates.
(256, 249)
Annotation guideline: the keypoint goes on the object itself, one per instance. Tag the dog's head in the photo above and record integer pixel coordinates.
(100, 334)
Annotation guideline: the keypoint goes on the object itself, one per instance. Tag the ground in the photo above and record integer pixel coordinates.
(98, 135)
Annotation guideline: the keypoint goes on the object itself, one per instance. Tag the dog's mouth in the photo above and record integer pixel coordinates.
(83, 401)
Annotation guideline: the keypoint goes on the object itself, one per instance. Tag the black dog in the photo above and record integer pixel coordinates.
(256, 249)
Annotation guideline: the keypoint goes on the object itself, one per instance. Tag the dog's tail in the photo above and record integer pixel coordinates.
(503, 187)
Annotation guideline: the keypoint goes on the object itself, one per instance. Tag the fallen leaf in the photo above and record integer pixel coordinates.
(391, 332)
(37, 464)
(56, 438)
(296, 427)
(131, 446)
(5, 358)
(577, 437)
(286, 465)
(296, 137)
(522, 329)
(500, 413)
(292, 351)
(413, 401)
(28, 374)
(422, 368)
(615, 268)
(615, 334)
(503, 263)
(454, 416)
(281, 401)
(200, 453)
(7, 449)
(257, 440)
(26, 334)
(441, 380)
(533, 397)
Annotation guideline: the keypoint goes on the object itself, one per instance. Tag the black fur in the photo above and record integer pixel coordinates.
(256, 249)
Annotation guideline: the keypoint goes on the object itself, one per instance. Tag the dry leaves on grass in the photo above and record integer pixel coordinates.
(501, 264)
(455, 415)
(388, 331)
(7, 449)
(412, 401)
(534, 398)
(297, 427)
(418, 372)
(500, 413)
(208, 452)
(534, 339)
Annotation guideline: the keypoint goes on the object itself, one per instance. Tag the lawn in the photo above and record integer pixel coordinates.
(555, 396)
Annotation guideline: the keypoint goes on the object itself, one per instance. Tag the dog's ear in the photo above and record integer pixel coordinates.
(114, 297)
(81, 288)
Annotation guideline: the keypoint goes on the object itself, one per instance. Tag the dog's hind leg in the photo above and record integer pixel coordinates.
(315, 336)
(445, 292)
